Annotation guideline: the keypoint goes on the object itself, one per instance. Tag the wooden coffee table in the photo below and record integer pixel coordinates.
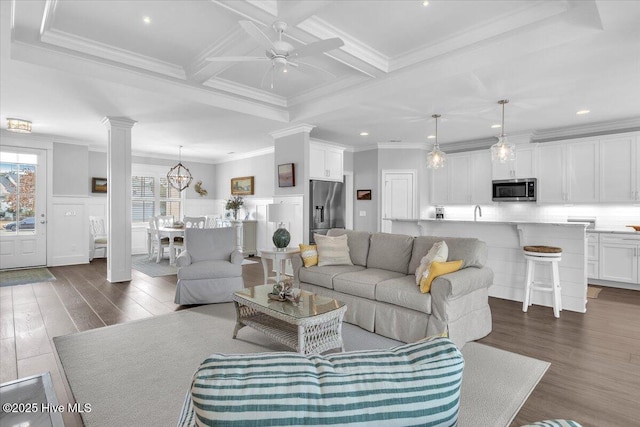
(313, 325)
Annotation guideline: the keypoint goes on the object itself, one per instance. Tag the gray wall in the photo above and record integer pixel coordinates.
(365, 173)
(348, 161)
(261, 168)
(291, 149)
(70, 170)
(97, 169)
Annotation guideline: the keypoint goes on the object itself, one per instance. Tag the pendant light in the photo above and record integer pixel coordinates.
(436, 158)
(502, 151)
(179, 176)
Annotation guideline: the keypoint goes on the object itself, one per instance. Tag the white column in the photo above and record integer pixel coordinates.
(237, 224)
(119, 198)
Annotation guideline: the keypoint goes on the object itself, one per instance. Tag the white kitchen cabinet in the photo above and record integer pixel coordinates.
(568, 172)
(522, 167)
(593, 255)
(619, 257)
(326, 162)
(465, 179)
(619, 169)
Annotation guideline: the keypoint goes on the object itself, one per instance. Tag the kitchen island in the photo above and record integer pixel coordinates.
(505, 240)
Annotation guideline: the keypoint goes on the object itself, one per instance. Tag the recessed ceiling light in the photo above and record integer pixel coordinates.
(364, 133)
(581, 112)
(146, 20)
(425, 3)
(495, 126)
(431, 137)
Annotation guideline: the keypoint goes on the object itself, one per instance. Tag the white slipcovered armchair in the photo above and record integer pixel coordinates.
(210, 269)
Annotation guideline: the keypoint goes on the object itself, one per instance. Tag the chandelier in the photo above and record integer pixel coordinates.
(179, 176)
(436, 158)
(502, 151)
(19, 125)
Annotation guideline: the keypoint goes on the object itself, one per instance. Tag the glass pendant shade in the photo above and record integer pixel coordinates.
(179, 176)
(436, 157)
(502, 151)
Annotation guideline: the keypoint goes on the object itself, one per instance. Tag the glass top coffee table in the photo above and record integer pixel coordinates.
(313, 325)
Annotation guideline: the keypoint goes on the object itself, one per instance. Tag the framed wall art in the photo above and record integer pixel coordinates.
(363, 194)
(242, 186)
(286, 175)
(98, 185)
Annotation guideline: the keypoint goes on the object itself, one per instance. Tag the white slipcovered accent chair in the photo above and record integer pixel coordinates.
(210, 269)
(158, 243)
(195, 221)
(98, 239)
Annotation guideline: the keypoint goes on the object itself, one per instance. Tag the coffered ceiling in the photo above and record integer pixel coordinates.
(65, 64)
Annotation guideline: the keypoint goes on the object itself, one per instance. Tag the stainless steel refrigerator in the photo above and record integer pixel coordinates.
(327, 207)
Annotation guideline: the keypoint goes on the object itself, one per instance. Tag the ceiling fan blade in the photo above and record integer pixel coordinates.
(305, 66)
(237, 58)
(257, 34)
(317, 47)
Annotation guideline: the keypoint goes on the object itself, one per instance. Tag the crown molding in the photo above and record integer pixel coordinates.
(330, 144)
(250, 154)
(323, 30)
(246, 91)
(494, 28)
(301, 128)
(403, 146)
(269, 6)
(101, 50)
(630, 124)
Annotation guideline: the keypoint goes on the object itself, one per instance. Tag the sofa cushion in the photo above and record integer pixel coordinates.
(358, 242)
(363, 283)
(471, 251)
(412, 384)
(390, 252)
(309, 254)
(206, 244)
(332, 250)
(323, 276)
(403, 292)
(214, 269)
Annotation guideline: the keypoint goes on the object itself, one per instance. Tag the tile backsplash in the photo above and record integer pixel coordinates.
(611, 217)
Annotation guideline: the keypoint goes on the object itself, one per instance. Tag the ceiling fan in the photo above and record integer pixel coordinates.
(281, 53)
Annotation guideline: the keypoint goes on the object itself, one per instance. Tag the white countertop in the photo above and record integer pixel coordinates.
(490, 221)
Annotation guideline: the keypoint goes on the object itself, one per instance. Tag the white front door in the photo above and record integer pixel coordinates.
(398, 197)
(23, 200)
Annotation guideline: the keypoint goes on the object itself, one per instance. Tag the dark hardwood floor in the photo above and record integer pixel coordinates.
(594, 376)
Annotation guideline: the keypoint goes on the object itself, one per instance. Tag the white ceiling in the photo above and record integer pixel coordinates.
(67, 64)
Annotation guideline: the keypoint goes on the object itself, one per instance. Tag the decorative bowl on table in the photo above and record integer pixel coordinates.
(635, 227)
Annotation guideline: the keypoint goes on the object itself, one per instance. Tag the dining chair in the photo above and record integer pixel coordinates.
(194, 221)
(165, 220)
(98, 233)
(158, 243)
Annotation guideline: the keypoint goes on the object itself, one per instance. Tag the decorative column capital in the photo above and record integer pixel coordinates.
(121, 122)
(301, 128)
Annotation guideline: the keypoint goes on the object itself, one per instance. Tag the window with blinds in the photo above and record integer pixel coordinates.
(152, 195)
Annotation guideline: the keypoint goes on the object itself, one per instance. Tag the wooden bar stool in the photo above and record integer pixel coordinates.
(539, 255)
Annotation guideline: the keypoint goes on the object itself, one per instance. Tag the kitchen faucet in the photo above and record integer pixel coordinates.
(477, 209)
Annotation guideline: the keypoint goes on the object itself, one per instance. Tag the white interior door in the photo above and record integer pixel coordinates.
(398, 197)
(23, 199)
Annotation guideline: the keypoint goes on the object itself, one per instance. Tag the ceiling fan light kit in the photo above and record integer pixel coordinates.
(436, 158)
(503, 151)
(281, 53)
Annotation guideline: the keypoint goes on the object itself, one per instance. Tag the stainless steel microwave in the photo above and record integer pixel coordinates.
(515, 190)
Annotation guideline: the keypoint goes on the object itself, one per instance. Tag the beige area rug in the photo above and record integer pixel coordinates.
(138, 373)
(592, 291)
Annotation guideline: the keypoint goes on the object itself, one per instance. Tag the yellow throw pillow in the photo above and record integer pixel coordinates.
(438, 269)
(309, 254)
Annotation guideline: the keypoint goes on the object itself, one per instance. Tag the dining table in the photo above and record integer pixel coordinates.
(171, 232)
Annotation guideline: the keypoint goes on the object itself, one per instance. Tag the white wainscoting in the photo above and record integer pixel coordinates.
(68, 231)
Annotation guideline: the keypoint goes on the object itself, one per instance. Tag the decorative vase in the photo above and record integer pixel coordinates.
(281, 238)
(235, 214)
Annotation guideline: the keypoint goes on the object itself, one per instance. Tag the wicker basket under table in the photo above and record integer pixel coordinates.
(294, 325)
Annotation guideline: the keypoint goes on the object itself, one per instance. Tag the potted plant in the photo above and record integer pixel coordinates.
(234, 204)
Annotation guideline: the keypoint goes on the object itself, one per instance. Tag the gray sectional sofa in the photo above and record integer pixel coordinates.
(382, 296)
